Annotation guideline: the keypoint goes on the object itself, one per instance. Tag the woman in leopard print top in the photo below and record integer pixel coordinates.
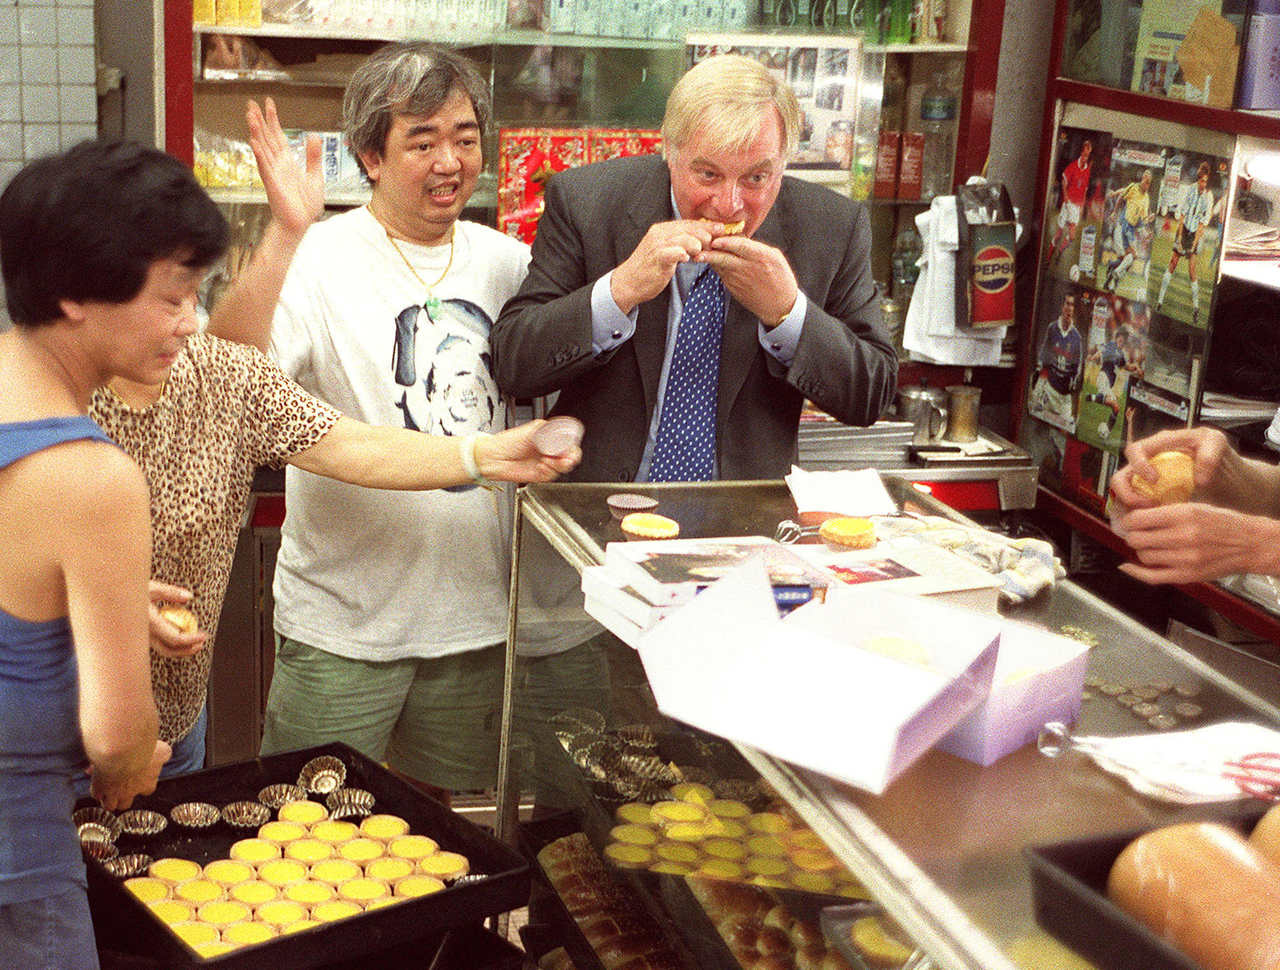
(225, 409)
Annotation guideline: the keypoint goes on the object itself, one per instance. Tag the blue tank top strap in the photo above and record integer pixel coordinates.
(22, 438)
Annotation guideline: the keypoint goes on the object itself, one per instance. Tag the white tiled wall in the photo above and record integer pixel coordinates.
(48, 98)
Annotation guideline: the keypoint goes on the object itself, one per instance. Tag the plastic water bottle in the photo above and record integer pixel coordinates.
(907, 246)
(938, 122)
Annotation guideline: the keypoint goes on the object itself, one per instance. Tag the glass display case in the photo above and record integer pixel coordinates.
(942, 850)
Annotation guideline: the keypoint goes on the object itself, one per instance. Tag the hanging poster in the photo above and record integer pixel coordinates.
(1116, 356)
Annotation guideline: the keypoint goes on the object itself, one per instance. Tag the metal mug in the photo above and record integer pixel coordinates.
(923, 407)
(962, 412)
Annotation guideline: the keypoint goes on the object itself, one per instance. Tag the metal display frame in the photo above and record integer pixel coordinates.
(942, 848)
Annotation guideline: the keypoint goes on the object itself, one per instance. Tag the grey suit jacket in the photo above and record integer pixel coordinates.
(594, 218)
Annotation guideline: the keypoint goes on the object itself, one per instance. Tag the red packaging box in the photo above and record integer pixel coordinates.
(909, 168)
(886, 183)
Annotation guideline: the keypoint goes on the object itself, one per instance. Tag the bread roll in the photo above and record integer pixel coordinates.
(1175, 479)
(179, 616)
(1206, 890)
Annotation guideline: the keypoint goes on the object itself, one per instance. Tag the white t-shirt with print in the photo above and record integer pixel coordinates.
(375, 574)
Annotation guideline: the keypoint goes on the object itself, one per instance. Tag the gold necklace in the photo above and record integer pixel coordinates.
(432, 304)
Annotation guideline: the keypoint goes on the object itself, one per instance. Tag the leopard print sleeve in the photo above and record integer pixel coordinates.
(282, 419)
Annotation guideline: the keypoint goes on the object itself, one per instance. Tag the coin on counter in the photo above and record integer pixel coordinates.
(1128, 699)
(1163, 722)
(1145, 709)
(1163, 686)
(1112, 689)
(1146, 692)
(1186, 690)
(1187, 709)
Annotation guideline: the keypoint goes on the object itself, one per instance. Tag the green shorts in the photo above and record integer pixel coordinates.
(433, 719)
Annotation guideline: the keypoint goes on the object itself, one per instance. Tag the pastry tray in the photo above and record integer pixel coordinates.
(1069, 894)
(668, 899)
(536, 834)
(837, 924)
(125, 925)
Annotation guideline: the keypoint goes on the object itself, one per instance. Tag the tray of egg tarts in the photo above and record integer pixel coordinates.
(299, 859)
(671, 812)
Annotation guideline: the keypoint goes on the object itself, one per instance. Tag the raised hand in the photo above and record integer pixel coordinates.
(295, 193)
(756, 274)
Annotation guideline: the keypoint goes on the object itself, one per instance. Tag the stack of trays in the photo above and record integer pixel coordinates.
(829, 446)
(196, 834)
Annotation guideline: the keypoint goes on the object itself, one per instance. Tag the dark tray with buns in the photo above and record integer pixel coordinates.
(1069, 895)
(556, 924)
(499, 879)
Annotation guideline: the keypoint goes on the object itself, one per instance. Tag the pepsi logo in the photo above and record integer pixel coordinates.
(993, 269)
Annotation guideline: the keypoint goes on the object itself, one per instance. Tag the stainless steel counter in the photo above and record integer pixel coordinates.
(942, 848)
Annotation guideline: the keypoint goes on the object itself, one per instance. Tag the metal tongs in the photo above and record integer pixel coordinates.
(789, 531)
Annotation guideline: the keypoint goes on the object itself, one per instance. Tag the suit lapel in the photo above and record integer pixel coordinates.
(651, 202)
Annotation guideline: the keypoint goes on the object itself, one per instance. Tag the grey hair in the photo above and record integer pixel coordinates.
(407, 78)
(724, 97)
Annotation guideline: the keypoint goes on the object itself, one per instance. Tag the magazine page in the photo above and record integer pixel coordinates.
(1073, 216)
(1059, 347)
(1116, 355)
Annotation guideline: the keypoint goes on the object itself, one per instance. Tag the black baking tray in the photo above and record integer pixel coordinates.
(1069, 895)
(124, 925)
(555, 925)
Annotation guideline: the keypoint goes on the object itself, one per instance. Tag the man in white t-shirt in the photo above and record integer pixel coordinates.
(391, 608)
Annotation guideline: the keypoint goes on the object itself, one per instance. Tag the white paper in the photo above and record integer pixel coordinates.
(843, 492)
(1182, 766)
(803, 689)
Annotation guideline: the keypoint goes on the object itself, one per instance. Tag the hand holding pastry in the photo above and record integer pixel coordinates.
(515, 456)
(648, 270)
(1134, 486)
(175, 629)
(1196, 542)
(756, 274)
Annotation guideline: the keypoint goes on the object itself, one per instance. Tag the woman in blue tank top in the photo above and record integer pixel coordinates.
(102, 250)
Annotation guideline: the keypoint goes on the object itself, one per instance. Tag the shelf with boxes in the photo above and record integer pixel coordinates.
(550, 68)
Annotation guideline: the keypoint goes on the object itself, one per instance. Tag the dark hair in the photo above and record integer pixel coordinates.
(88, 224)
(416, 77)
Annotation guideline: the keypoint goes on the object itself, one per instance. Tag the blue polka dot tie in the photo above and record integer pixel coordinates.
(686, 447)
